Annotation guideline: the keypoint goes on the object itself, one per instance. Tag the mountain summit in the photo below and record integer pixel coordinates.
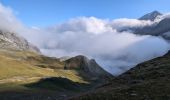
(151, 16)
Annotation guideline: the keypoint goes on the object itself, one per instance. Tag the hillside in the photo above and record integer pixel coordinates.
(147, 81)
(24, 73)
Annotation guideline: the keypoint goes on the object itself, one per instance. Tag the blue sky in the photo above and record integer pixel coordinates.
(43, 13)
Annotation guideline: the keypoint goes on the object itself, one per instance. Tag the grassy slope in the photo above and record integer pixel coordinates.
(23, 67)
(22, 75)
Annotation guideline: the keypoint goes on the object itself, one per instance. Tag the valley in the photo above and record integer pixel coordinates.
(88, 50)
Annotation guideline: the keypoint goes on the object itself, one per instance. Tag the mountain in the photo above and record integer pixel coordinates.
(147, 81)
(159, 28)
(9, 40)
(162, 28)
(151, 16)
(88, 66)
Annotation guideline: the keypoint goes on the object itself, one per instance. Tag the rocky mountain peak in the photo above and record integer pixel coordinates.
(151, 16)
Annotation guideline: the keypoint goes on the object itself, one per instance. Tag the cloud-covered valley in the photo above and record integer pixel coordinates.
(96, 38)
(99, 39)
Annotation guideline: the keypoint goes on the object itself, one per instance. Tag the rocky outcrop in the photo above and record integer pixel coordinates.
(13, 41)
(87, 66)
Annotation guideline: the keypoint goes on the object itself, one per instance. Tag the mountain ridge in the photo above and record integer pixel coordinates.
(9, 40)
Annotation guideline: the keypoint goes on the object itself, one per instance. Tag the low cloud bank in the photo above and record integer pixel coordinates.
(96, 38)
(100, 39)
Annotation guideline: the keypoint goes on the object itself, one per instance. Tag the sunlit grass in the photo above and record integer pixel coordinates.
(16, 69)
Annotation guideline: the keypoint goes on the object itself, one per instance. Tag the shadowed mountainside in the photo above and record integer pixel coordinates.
(147, 81)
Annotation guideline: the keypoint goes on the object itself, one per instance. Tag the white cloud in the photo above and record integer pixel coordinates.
(84, 24)
(115, 51)
(123, 23)
(8, 20)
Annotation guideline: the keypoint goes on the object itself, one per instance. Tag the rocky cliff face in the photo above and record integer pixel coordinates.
(86, 66)
(147, 81)
(12, 41)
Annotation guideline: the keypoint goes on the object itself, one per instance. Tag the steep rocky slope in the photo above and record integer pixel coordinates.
(13, 41)
(147, 81)
(87, 67)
